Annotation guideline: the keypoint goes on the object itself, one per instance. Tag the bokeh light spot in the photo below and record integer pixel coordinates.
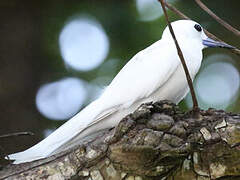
(61, 99)
(47, 132)
(149, 9)
(83, 43)
(217, 84)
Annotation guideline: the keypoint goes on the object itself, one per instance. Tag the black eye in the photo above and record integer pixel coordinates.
(198, 27)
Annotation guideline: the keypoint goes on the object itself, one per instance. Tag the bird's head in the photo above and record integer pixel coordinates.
(190, 31)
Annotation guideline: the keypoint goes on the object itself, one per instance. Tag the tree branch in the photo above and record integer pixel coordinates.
(179, 13)
(218, 19)
(156, 141)
(16, 134)
(180, 54)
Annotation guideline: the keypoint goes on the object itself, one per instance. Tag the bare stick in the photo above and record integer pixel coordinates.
(180, 54)
(3, 153)
(218, 19)
(17, 134)
(179, 13)
(176, 11)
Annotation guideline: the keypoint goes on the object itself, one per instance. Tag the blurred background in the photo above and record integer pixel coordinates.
(56, 56)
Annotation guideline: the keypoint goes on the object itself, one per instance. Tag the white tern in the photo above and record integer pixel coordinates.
(153, 74)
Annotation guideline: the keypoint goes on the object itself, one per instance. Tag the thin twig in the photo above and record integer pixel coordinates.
(218, 19)
(17, 134)
(175, 10)
(180, 54)
(179, 13)
(12, 135)
(3, 153)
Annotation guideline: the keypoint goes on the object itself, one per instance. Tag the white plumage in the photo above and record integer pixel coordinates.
(153, 74)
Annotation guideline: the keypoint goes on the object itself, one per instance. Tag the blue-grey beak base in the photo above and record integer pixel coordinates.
(211, 43)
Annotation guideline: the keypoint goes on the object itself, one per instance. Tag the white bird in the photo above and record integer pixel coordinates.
(153, 74)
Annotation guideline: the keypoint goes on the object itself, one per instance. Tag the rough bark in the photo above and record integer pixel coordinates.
(157, 141)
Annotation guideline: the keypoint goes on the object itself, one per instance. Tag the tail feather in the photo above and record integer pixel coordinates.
(59, 137)
(23, 157)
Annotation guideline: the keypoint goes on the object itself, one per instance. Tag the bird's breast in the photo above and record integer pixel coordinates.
(176, 88)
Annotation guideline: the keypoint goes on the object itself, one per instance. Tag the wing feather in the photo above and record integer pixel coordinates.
(139, 78)
(147, 71)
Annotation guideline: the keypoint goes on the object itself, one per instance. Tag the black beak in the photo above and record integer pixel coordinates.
(211, 43)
